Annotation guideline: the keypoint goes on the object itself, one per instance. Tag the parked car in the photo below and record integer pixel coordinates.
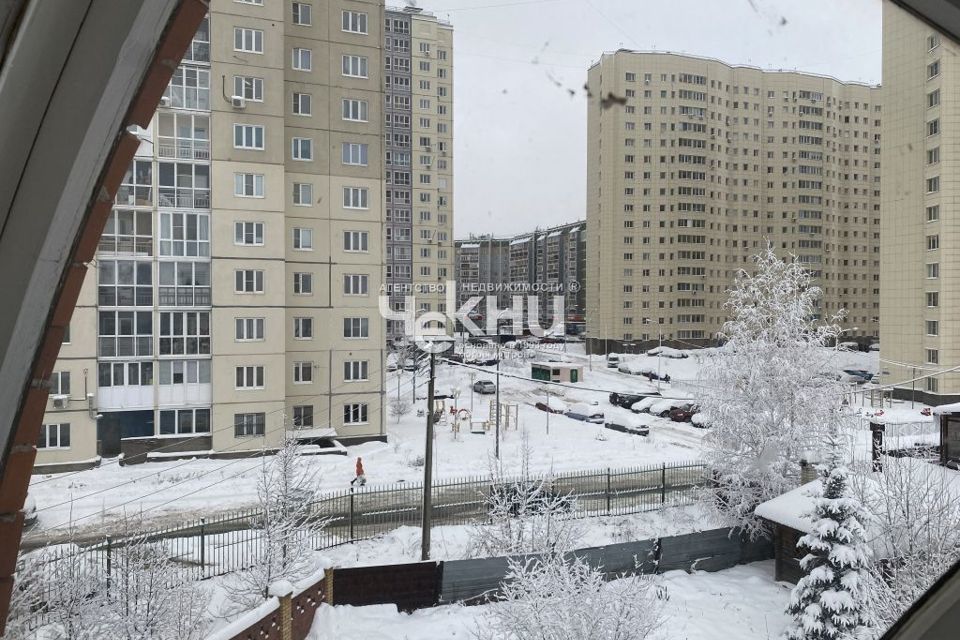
(628, 424)
(682, 414)
(701, 421)
(644, 405)
(484, 387)
(556, 406)
(857, 376)
(667, 352)
(586, 413)
(613, 360)
(663, 408)
(874, 347)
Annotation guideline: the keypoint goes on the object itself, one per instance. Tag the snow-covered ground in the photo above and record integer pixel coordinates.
(743, 603)
(170, 492)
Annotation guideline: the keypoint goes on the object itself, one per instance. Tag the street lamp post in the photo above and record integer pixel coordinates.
(496, 446)
(434, 345)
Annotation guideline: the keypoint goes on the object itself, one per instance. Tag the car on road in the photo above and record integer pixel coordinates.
(613, 360)
(627, 424)
(484, 387)
(586, 413)
(874, 347)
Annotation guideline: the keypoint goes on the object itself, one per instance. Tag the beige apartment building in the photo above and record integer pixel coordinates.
(235, 292)
(695, 165)
(921, 278)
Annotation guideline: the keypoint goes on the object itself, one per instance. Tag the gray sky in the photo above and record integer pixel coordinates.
(519, 138)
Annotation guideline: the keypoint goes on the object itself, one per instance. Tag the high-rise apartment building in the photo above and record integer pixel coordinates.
(418, 116)
(695, 165)
(920, 282)
(235, 292)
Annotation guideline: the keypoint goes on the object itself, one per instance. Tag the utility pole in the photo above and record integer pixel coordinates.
(473, 376)
(913, 387)
(497, 442)
(428, 467)
(548, 409)
(659, 355)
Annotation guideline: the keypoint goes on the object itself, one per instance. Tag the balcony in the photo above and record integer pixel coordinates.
(184, 198)
(126, 245)
(134, 196)
(183, 148)
(183, 296)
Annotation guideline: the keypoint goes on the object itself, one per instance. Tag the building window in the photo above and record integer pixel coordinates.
(354, 22)
(124, 283)
(933, 356)
(933, 127)
(302, 239)
(355, 413)
(248, 281)
(933, 242)
(248, 87)
(933, 385)
(248, 185)
(355, 370)
(248, 424)
(184, 284)
(183, 185)
(248, 136)
(933, 270)
(933, 155)
(125, 333)
(302, 372)
(354, 153)
(184, 333)
(933, 213)
(354, 66)
(933, 184)
(933, 69)
(303, 328)
(189, 88)
(355, 198)
(356, 328)
(933, 299)
(184, 421)
(119, 374)
(247, 40)
(54, 436)
(302, 14)
(302, 149)
(355, 110)
(302, 194)
(249, 329)
(128, 231)
(356, 241)
(933, 328)
(933, 98)
(303, 284)
(933, 41)
(356, 284)
(303, 415)
(302, 59)
(248, 233)
(249, 377)
(301, 104)
(59, 383)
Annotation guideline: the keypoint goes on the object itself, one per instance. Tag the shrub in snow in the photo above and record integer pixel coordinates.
(828, 601)
(558, 598)
(761, 390)
(399, 408)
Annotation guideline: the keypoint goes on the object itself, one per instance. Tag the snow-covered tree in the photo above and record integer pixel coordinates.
(283, 549)
(399, 408)
(828, 601)
(527, 514)
(765, 389)
(554, 597)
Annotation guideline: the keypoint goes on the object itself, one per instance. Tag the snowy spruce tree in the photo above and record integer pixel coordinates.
(828, 601)
(764, 390)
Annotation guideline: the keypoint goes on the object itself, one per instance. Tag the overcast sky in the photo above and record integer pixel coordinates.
(519, 137)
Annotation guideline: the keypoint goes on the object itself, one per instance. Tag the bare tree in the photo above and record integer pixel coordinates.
(764, 390)
(558, 598)
(399, 408)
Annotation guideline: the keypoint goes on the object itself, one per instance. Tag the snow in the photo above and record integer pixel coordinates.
(743, 602)
(947, 408)
(792, 508)
(229, 631)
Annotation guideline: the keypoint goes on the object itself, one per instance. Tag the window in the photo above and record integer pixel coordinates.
(302, 14)
(354, 153)
(303, 328)
(248, 185)
(354, 22)
(249, 329)
(302, 239)
(248, 424)
(303, 415)
(125, 333)
(119, 374)
(933, 98)
(302, 372)
(356, 284)
(933, 127)
(249, 377)
(184, 284)
(301, 104)
(355, 370)
(248, 281)
(248, 136)
(933, 242)
(933, 41)
(183, 185)
(189, 88)
(303, 284)
(933, 385)
(933, 155)
(302, 194)
(184, 421)
(128, 231)
(356, 241)
(248, 87)
(356, 328)
(933, 184)
(302, 149)
(59, 383)
(933, 328)
(933, 356)
(933, 299)
(302, 59)
(248, 40)
(933, 270)
(933, 213)
(248, 233)
(173, 372)
(355, 66)
(355, 413)
(184, 333)
(933, 69)
(54, 436)
(355, 198)
(124, 283)
(355, 110)
(66, 335)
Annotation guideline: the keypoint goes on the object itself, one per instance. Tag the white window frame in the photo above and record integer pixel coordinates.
(303, 283)
(248, 87)
(244, 181)
(354, 110)
(256, 278)
(303, 239)
(356, 198)
(353, 66)
(352, 239)
(301, 59)
(303, 328)
(59, 428)
(359, 323)
(358, 413)
(356, 284)
(243, 229)
(301, 14)
(356, 370)
(255, 37)
(249, 329)
(302, 104)
(355, 154)
(252, 377)
(301, 189)
(354, 22)
(303, 372)
(248, 136)
(297, 147)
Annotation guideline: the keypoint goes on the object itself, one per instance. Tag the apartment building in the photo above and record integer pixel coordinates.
(544, 263)
(695, 165)
(235, 293)
(921, 281)
(418, 120)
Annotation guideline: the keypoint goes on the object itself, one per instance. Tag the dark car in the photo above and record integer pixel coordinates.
(543, 407)
(627, 425)
(682, 414)
(627, 400)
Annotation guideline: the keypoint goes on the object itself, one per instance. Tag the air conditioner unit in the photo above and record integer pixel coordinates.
(60, 401)
(165, 101)
(238, 102)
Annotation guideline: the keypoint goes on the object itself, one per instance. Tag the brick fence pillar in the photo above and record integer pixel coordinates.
(283, 591)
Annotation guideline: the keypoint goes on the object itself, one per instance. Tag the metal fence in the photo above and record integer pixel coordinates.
(230, 541)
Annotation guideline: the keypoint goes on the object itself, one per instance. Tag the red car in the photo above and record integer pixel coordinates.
(682, 414)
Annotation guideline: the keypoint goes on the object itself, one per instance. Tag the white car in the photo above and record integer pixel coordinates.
(613, 360)
(662, 407)
(644, 405)
(667, 352)
(586, 413)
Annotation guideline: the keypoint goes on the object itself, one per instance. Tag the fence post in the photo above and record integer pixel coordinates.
(351, 514)
(109, 564)
(608, 490)
(203, 547)
(663, 483)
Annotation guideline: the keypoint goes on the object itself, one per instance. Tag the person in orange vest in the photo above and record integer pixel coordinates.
(361, 479)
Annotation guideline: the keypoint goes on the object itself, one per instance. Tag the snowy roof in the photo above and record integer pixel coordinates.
(554, 234)
(791, 508)
(472, 245)
(557, 365)
(316, 432)
(947, 408)
(519, 241)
